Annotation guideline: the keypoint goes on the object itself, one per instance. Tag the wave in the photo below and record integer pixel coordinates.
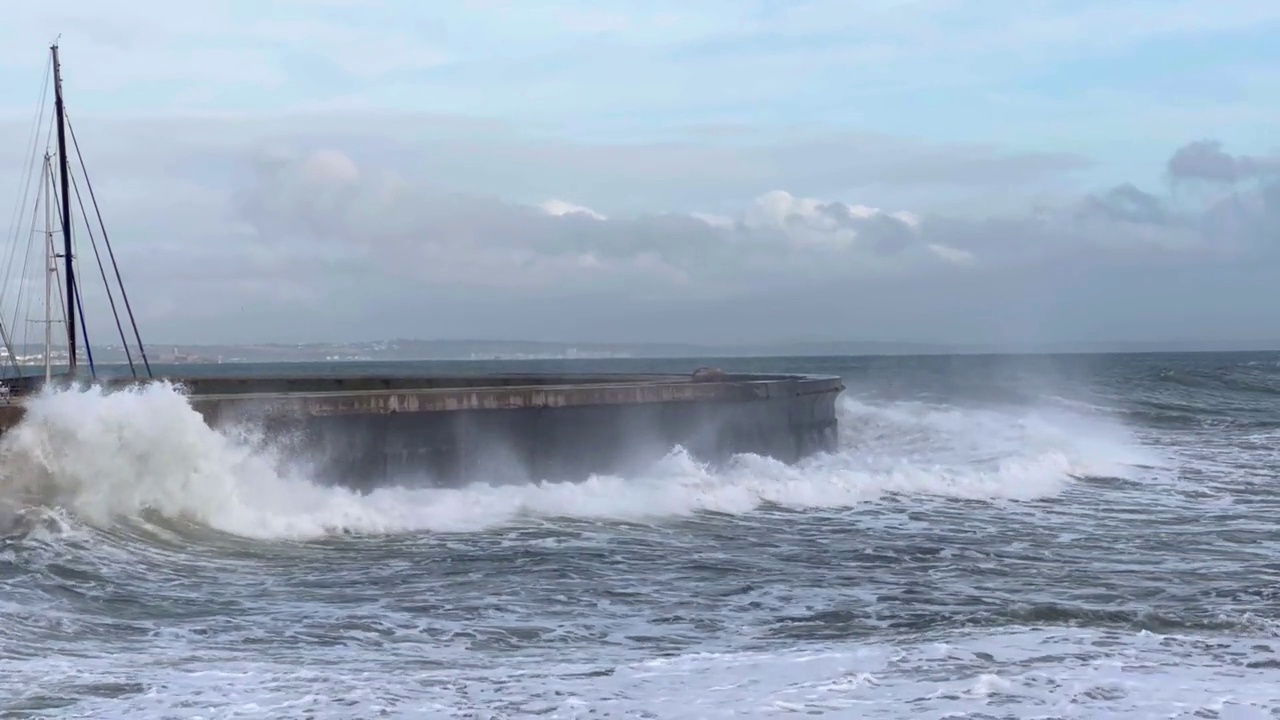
(1247, 379)
(103, 456)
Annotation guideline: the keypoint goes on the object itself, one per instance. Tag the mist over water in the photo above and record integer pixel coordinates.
(1022, 537)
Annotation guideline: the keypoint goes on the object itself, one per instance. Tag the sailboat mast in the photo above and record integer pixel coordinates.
(51, 265)
(66, 212)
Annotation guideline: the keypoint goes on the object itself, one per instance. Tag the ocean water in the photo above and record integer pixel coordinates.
(996, 537)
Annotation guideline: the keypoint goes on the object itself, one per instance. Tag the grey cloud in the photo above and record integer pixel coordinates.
(847, 161)
(781, 241)
(259, 233)
(688, 172)
(681, 174)
(1205, 160)
(1126, 203)
(471, 240)
(884, 234)
(1245, 209)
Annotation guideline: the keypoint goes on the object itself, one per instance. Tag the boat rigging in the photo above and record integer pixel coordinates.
(58, 183)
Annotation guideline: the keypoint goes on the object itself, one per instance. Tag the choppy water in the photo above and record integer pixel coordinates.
(997, 537)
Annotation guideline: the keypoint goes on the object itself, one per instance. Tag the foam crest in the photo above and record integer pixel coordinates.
(103, 455)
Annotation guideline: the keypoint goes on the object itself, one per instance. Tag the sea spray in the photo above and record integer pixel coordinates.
(852, 585)
(103, 455)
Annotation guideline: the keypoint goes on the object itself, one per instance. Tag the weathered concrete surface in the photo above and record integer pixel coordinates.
(366, 432)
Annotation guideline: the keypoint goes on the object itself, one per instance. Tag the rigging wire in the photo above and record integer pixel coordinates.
(75, 291)
(84, 328)
(57, 276)
(51, 194)
(124, 294)
(15, 219)
(29, 167)
(22, 303)
(22, 307)
(111, 300)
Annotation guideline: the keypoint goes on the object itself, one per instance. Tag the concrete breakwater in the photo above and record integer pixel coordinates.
(365, 432)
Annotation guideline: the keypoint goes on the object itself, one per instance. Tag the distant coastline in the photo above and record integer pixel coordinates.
(490, 350)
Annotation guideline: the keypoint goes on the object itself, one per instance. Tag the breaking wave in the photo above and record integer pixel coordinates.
(144, 453)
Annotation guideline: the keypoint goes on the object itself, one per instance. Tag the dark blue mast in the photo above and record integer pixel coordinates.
(66, 212)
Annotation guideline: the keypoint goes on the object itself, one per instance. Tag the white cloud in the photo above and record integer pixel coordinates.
(330, 167)
(559, 208)
(955, 256)
(808, 222)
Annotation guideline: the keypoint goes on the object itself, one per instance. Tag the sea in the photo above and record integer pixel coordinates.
(1075, 536)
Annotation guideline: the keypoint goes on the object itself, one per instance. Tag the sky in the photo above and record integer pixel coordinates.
(952, 171)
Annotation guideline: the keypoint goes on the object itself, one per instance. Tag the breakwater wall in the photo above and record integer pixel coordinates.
(365, 432)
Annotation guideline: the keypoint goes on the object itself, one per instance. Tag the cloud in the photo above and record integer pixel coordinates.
(776, 240)
(560, 208)
(664, 169)
(429, 227)
(485, 243)
(289, 239)
(1205, 160)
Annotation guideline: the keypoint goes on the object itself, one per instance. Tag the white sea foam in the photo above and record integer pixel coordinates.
(1021, 673)
(873, 617)
(105, 455)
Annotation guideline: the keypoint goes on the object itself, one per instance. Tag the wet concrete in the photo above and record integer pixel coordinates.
(367, 432)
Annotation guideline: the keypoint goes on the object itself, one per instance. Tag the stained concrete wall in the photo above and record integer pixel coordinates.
(367, 432)
(448, 431)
